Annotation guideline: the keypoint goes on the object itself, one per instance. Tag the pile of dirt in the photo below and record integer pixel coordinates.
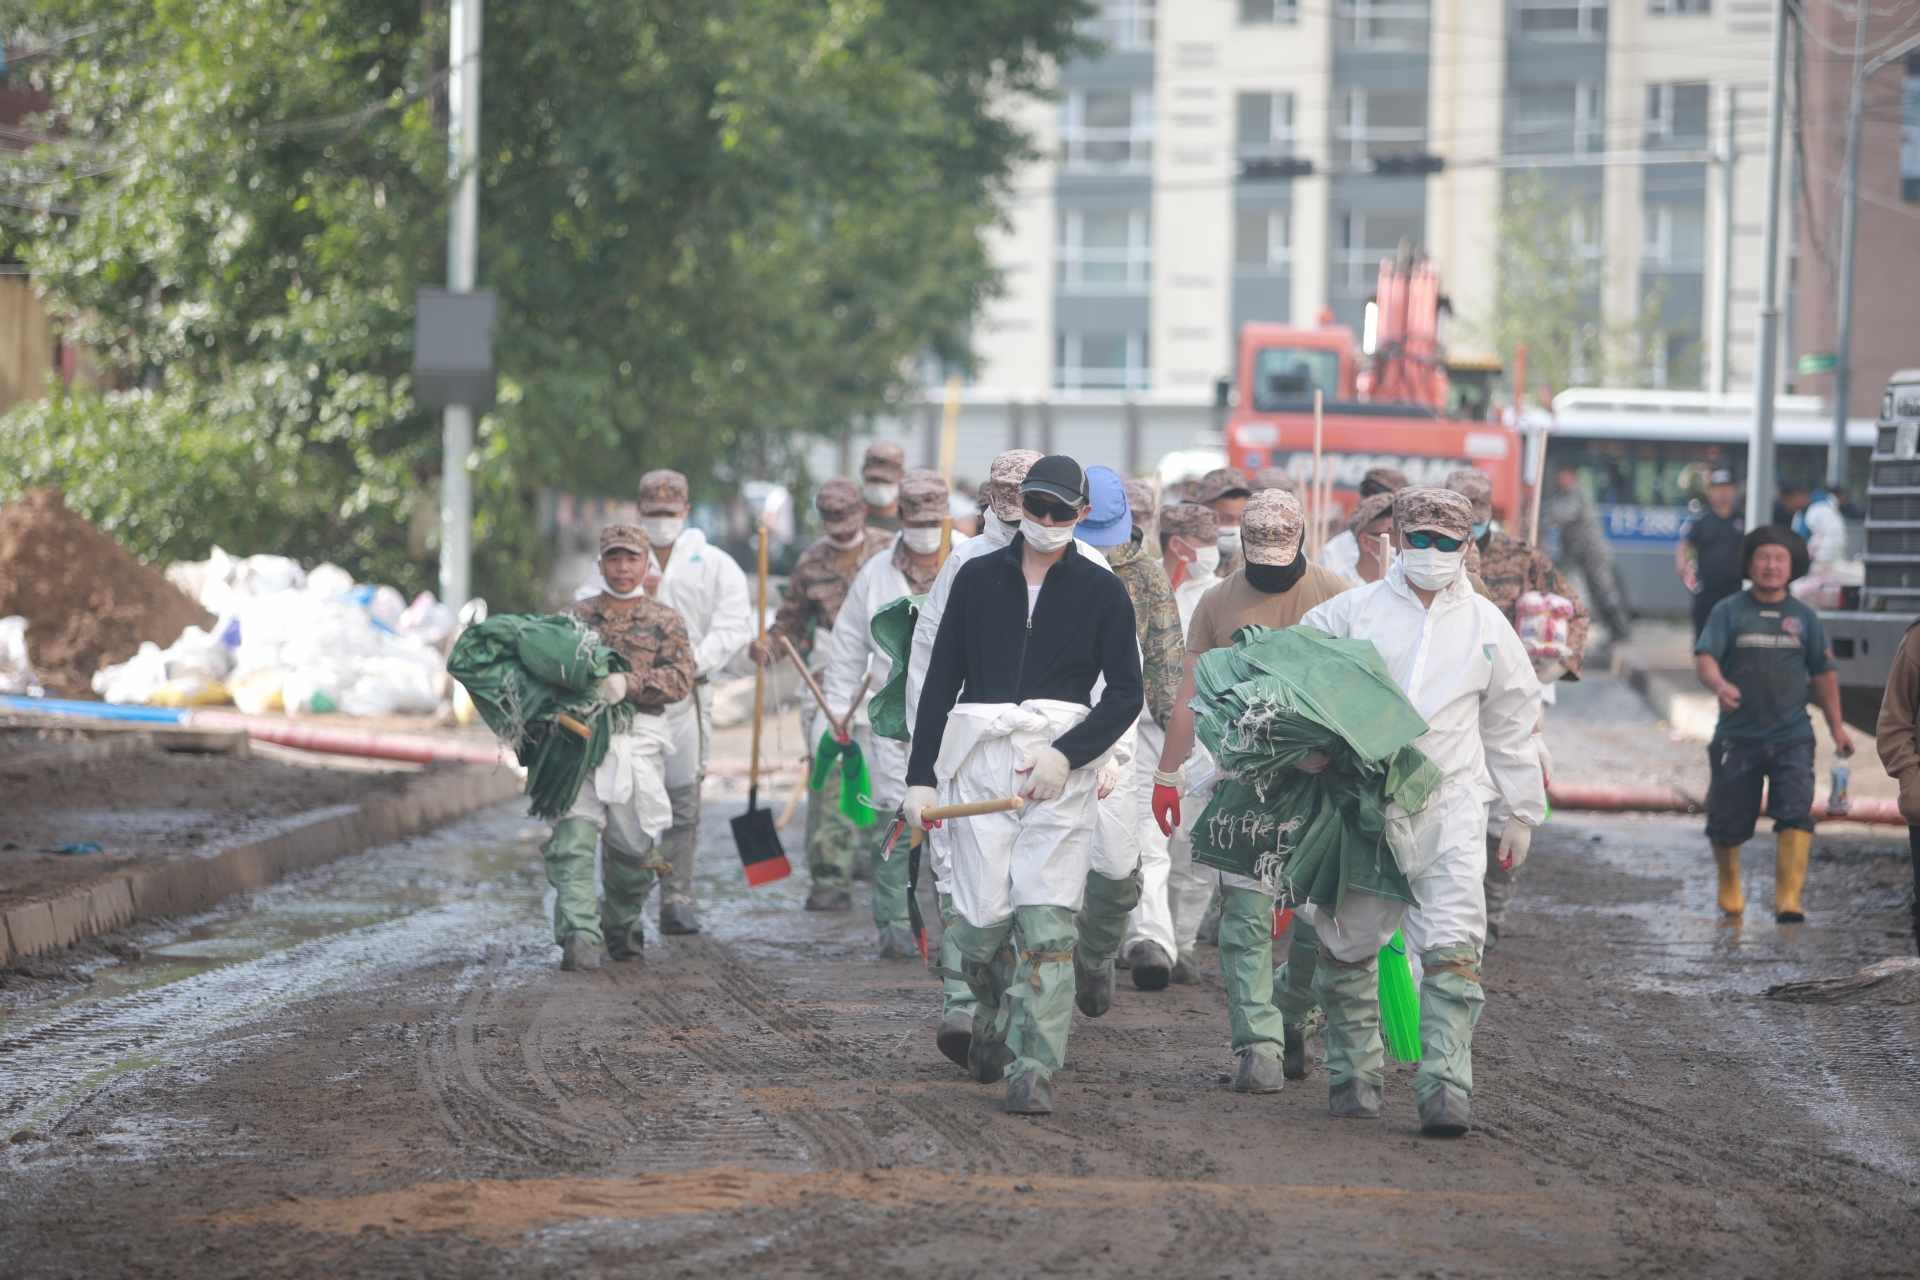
(87, 601)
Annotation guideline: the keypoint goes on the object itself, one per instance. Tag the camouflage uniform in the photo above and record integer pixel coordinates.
(1156, 621)
(653, 638)
(816, 589)
(1145, 512)
(885, 463)
(1583, 546)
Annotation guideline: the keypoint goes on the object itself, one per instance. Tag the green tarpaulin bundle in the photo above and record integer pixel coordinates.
(856, 780)
(892, 629)
(522, 670)
(1264, 705)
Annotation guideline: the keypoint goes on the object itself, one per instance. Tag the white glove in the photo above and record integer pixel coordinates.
(1515, 840)
(1109, 778)
(1046, 771)
(919, 800)
(611, 690)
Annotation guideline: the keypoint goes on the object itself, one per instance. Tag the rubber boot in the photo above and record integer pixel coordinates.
(1726, 859)
(1101, 924)
(677, 849)
(1792, 849)
(955, 1037)
(1030, 1094)
(1039, 994)
(568, 855)
(984, 960)
(580, 952)
(897, 943)
(1293, 996)
(1450, 1002)
(1150, 966)
(1246, 963)
(1183, 972)
(833, 842)
(891, 883)
(1349, 993)
(956, 995)
(1257, 1072)
(1498, 886)
(627, 878)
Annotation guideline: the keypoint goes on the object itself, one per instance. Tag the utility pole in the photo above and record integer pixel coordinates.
(1849, 217)
(463, 253)
(1760, 482)
(1723, 338)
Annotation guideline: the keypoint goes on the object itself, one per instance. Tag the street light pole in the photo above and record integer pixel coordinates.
(463, 253)
(1760, 482)
(1723, 337)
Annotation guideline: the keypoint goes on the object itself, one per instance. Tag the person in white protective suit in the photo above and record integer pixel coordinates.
(1342, 552)
(906, 568)
(1002, 496)
(1173, 891)
(1464, 669)
(1007, 707)
(624, 801)
(709, 591)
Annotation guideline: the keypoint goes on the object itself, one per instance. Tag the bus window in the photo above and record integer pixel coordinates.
(1284, 376)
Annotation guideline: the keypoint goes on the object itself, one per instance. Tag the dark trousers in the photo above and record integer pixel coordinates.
(1740, 770)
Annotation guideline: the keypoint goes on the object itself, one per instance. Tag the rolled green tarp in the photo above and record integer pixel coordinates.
(1399, 1002)
(892, 629)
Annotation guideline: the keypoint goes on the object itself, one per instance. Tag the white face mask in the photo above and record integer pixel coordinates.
(1229, 542)
(634, 594)
(1430, 568)
(849, 542)
(880, 495)
(662, 530)
(1206, 562)
(1045, 537)
(922, 542)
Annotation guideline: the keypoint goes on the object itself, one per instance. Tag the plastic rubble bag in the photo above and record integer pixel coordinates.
(311, 691)
(259, 691)
(527, 671)
(329, 580)
(390, 686)
(428, 620)
(196, 653)
(134, 681)
(265, 575)
(16, 670)
(383, 604)
(190, 691)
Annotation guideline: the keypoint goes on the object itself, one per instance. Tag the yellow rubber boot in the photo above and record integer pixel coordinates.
(1790, 857)
(1733, 899)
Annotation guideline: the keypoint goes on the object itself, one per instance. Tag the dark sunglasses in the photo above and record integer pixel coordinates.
(1424, 538)
(1041, 507)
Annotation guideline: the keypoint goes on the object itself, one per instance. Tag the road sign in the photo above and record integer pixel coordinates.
(1819, 362)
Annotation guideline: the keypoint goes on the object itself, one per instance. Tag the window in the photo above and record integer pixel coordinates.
(1557, 122)
(1284, 376)
(1104, 250)
(1097, 360)
(1123, 25)
(1589, 118)
(1382, 24)
(1676, 237)
(1381, 124)
(1107, 129)
(1365, 238)
(1261, 240)
(1564, 19)
(1266, 125)
(1677, 115)
(1910, 131)
(1679, 8)
(1269, 13)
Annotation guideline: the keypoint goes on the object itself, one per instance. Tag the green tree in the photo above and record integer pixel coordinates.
(718, 228)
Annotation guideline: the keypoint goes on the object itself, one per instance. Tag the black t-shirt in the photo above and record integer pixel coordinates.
(1770, 652)
(1716, 544)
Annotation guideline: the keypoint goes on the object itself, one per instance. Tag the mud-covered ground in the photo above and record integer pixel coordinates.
(378, 1070)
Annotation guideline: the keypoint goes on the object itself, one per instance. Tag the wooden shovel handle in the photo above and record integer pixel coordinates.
(839, 727)
(972, 809)
(572, 726)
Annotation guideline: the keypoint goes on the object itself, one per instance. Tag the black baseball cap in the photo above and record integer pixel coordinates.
(1721, 476)
(1057, 476)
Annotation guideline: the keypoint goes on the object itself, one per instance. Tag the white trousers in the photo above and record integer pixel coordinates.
(1116, 840)
(689, 725)
(626, 796)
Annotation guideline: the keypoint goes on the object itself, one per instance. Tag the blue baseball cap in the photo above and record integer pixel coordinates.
(1109, 523)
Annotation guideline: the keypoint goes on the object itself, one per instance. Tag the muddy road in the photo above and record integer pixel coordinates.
(379, 1070)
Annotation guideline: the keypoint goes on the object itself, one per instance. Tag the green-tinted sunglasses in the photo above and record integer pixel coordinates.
(1424, 538)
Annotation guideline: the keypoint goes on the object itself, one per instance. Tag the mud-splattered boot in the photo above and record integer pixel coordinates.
(1029, 1094)
(1354, 1100)
(1726, 862)
(1257, 1072)
(955, 1037)
(1445, 1113)
(1792, 850)
(1151, 968)
(580, 953)
(897, 943)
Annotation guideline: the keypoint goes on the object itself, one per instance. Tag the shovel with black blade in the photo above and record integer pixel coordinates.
(754, 832)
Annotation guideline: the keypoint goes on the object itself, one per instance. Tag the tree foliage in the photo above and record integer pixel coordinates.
(717, 227)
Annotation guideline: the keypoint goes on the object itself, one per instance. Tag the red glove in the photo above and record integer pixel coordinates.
(1166, 807)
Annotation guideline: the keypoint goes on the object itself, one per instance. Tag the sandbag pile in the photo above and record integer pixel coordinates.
(1263, 706)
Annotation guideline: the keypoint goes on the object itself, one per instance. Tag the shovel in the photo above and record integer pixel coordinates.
(754, 833)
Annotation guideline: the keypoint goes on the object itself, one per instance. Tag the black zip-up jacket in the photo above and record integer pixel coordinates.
(988, 651)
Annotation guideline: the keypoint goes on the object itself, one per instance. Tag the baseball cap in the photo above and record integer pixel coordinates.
(1109, 523)
(1057, 476)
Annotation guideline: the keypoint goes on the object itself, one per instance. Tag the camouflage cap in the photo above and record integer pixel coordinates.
(1369, 509)
(1004, 478)
(663, 488)
(1140, 500)
(623, 537)
(1382, 480)
(1270, 531)
(842, 510)
(1223, 482)
(1274, 478)
(885, 462)
(1441, 510)
(1471, 483)
(923, 496)
(1181, 491)
(1191, 521)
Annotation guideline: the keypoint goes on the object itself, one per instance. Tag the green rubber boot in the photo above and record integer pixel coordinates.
(956, 996)
(1450, 1002)
(1293, 994)
(1101, 925)
(1246, 962)
(832, 844)
(568, 854)
(890, 886)
(1349, 993)
(986, 959)
(627, 878)
(1039, 999)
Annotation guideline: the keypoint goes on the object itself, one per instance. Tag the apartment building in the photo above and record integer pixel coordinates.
(1233, 160)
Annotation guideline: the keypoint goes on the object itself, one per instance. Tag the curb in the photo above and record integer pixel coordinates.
(194, 884)
(1691, 712)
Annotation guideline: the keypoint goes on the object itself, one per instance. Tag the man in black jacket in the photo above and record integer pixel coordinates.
(1007, 706)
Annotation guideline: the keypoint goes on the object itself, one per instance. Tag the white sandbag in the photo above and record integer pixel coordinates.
(134, 681)
(196, 653)
(329, 580)
(16, 671)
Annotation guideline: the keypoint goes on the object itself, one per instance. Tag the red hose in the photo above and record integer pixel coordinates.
(354, 742)
(1596, 799)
